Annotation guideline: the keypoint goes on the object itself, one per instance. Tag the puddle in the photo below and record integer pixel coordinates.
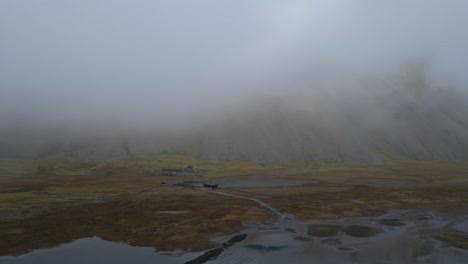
(425, 238)
(258, 181)
(94, 250)
(323, 230)
(404, 236)
(461, 225)
(391, 222)
(381, 181)
(265, 249)
(275, 247)
(410, 243)
(361, 231)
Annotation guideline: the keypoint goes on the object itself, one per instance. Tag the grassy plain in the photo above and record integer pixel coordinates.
(54, 200)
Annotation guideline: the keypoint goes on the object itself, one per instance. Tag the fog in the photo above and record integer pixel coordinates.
(272, 80)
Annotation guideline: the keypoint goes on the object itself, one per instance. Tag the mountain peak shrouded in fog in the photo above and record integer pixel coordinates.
(359, 81)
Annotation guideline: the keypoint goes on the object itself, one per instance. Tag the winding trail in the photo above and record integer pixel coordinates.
(286, 222)
(269, 207)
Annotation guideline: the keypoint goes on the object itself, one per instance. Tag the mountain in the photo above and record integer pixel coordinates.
(368, 120)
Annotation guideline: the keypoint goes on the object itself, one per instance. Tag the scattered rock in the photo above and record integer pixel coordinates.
(209, 255)
(236, 239)
(214, 253)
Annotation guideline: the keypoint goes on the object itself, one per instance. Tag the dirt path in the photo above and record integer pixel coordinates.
(286, 222)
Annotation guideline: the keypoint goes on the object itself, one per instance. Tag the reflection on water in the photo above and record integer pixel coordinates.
(397, 237)
(93, 250)
(403, 238)
(399, 249)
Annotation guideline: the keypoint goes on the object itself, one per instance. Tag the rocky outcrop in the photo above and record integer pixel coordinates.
(214, 253)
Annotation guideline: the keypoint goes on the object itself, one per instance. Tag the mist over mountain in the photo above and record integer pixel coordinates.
(401, 116)
(272, 81)
(372, 121)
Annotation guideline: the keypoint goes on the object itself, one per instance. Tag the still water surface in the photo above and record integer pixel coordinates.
(285, 242)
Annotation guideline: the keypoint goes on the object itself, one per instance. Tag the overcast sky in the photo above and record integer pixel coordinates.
(92, 60)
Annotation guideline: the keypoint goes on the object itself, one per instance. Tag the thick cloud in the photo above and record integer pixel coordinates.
(87, 71)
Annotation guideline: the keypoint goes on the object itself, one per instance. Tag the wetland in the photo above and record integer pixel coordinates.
(289, 212)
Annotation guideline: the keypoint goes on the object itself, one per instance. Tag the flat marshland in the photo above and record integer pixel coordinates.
(45, 203)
